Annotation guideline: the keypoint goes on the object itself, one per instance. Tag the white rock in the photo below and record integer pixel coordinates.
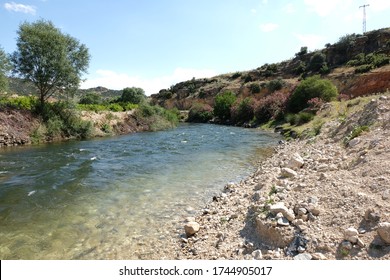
(303, 257)
(384, 231)
(295, 162)
(351, 234)
(191, 228)
(287, 172)
(386, 194)
(281, 208)
(257, 255)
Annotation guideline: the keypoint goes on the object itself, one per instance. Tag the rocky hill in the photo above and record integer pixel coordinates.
(352, 64)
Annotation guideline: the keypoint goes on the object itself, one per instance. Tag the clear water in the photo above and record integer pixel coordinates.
(114, 198)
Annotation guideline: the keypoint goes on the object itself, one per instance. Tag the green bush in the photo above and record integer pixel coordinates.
(115, 107)
(91, 98)
(363, 68)
(275, 85)
(300, 118)
(61, 119)
(255, 88)
(200, 113)
(308, 89)
(243, 110)
(21, 102)
(317, 61)
(133, 95)
(223, 103)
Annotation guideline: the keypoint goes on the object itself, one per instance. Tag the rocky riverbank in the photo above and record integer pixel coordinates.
(326, 197)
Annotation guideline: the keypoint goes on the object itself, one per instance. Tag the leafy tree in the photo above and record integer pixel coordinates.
(91, 98)
(4, 68)
(317, 61)
(223, 103)
(133, 95)
(302, 52)
(53, 61)
(310, 88)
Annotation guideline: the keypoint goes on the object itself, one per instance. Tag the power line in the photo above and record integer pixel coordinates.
(364, 16)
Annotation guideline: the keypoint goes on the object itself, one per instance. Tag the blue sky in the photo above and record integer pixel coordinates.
(154, 44)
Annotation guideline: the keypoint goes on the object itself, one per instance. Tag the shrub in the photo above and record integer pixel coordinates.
(317, 61)
(271, 107)
(200, 113)
(302, 52)
(223, 103)
(21, 102)
(115, 107)
(235, 75)
(275, 85)
(255, 88)
(133, 95)
(363, 68)
(300, 118)
(356, 132)
(91, 98)
(315, 103)
(310, 88)
(242, 110)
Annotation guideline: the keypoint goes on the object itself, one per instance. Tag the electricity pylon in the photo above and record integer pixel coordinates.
(364, 16)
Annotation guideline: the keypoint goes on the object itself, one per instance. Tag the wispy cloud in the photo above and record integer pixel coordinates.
(113, 80)
(268, 27)
(20, 8)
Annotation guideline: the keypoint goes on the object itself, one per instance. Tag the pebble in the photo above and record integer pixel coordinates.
(287, 172)
(351, 234)
(257, 255)
(303, 257)
(384, 231)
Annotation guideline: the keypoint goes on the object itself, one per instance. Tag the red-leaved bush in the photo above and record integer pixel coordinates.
(272, 106)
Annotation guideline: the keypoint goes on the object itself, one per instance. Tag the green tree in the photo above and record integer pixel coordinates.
(91, 98)
(133, 95)
(53, 61)
(4, 68)
(311, 88)
(223, 103)
(317, 61)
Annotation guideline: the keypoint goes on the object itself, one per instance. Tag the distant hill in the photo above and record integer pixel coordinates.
(22, 87)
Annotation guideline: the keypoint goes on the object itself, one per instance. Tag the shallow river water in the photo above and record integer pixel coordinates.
(102, 198)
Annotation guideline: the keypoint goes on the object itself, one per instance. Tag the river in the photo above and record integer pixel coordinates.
(102, 198)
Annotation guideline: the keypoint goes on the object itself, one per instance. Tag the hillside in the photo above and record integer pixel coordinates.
(352, 64)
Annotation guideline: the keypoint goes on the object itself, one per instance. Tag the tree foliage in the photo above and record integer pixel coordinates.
(53, 61)
(4, 68)
(223, 103)
(133, 95)
(311, 88)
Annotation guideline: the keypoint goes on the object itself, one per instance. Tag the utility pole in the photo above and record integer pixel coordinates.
(364, 16)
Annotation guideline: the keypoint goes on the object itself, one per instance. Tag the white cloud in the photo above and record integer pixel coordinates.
(311, 41)
(113, 80)
(20, 8)
(268, 27)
